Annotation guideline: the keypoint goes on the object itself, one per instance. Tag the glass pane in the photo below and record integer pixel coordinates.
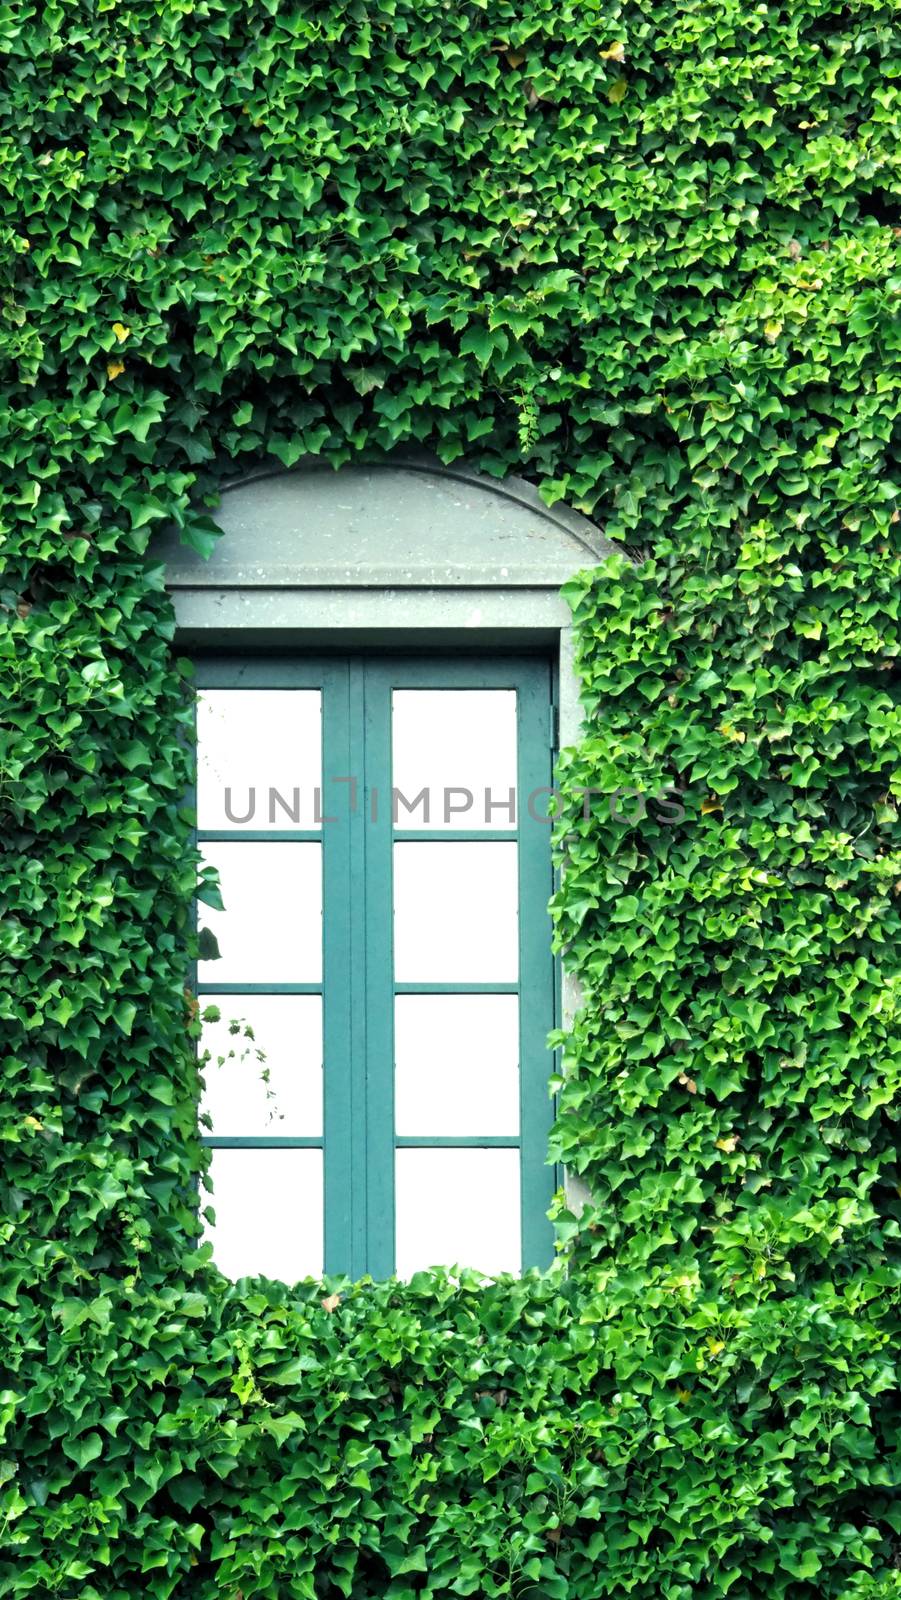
(459, 745)
(287, 1035)
(271, 928)
(259, 758)
(457, 1208)
(456, 1064)
(268, 1206)
(455, 913)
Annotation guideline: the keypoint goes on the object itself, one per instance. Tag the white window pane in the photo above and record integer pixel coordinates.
(455, 913)
(456, 1064)
(259, 745)
(271, 928)
(457, 1208)
(455, 740)
(268, 1206)
(287, 1033)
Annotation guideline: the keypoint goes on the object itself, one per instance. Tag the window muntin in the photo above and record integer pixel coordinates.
(423, 930)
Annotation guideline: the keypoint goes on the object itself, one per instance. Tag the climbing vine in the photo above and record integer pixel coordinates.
(646, 257)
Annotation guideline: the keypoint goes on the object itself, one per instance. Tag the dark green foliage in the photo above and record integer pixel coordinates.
(648, 257)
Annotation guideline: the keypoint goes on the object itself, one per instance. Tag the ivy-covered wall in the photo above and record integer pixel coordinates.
(646, 256)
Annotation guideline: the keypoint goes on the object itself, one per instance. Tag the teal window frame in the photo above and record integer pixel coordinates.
(358, 988)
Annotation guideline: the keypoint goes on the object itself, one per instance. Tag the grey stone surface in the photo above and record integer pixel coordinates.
(402, 526)
(539, 613)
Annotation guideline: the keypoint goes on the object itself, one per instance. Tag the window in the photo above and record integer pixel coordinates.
(391, 1089)
(380, 829)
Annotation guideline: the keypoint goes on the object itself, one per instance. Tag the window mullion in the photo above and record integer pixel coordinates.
(354, 774)
(338, 965)
(379, 959)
